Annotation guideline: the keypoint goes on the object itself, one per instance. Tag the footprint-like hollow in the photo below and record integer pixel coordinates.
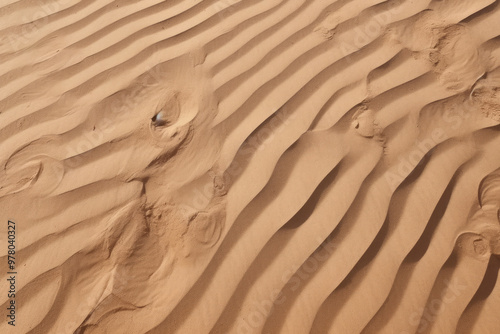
(483, 228)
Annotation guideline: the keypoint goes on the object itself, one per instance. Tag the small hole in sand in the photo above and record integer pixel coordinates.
(480, 246)
(159, 119)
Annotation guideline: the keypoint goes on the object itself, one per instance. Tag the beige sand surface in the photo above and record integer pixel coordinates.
(250, 166)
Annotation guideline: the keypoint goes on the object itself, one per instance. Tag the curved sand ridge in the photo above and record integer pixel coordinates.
(230, 166)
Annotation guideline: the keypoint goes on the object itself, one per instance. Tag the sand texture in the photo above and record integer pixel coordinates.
(250, 166)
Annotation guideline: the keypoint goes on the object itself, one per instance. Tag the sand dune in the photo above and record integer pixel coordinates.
(239, 166)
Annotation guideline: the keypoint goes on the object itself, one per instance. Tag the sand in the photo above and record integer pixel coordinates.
(250, 166)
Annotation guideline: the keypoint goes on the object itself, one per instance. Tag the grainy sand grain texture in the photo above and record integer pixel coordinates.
(250, 166)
